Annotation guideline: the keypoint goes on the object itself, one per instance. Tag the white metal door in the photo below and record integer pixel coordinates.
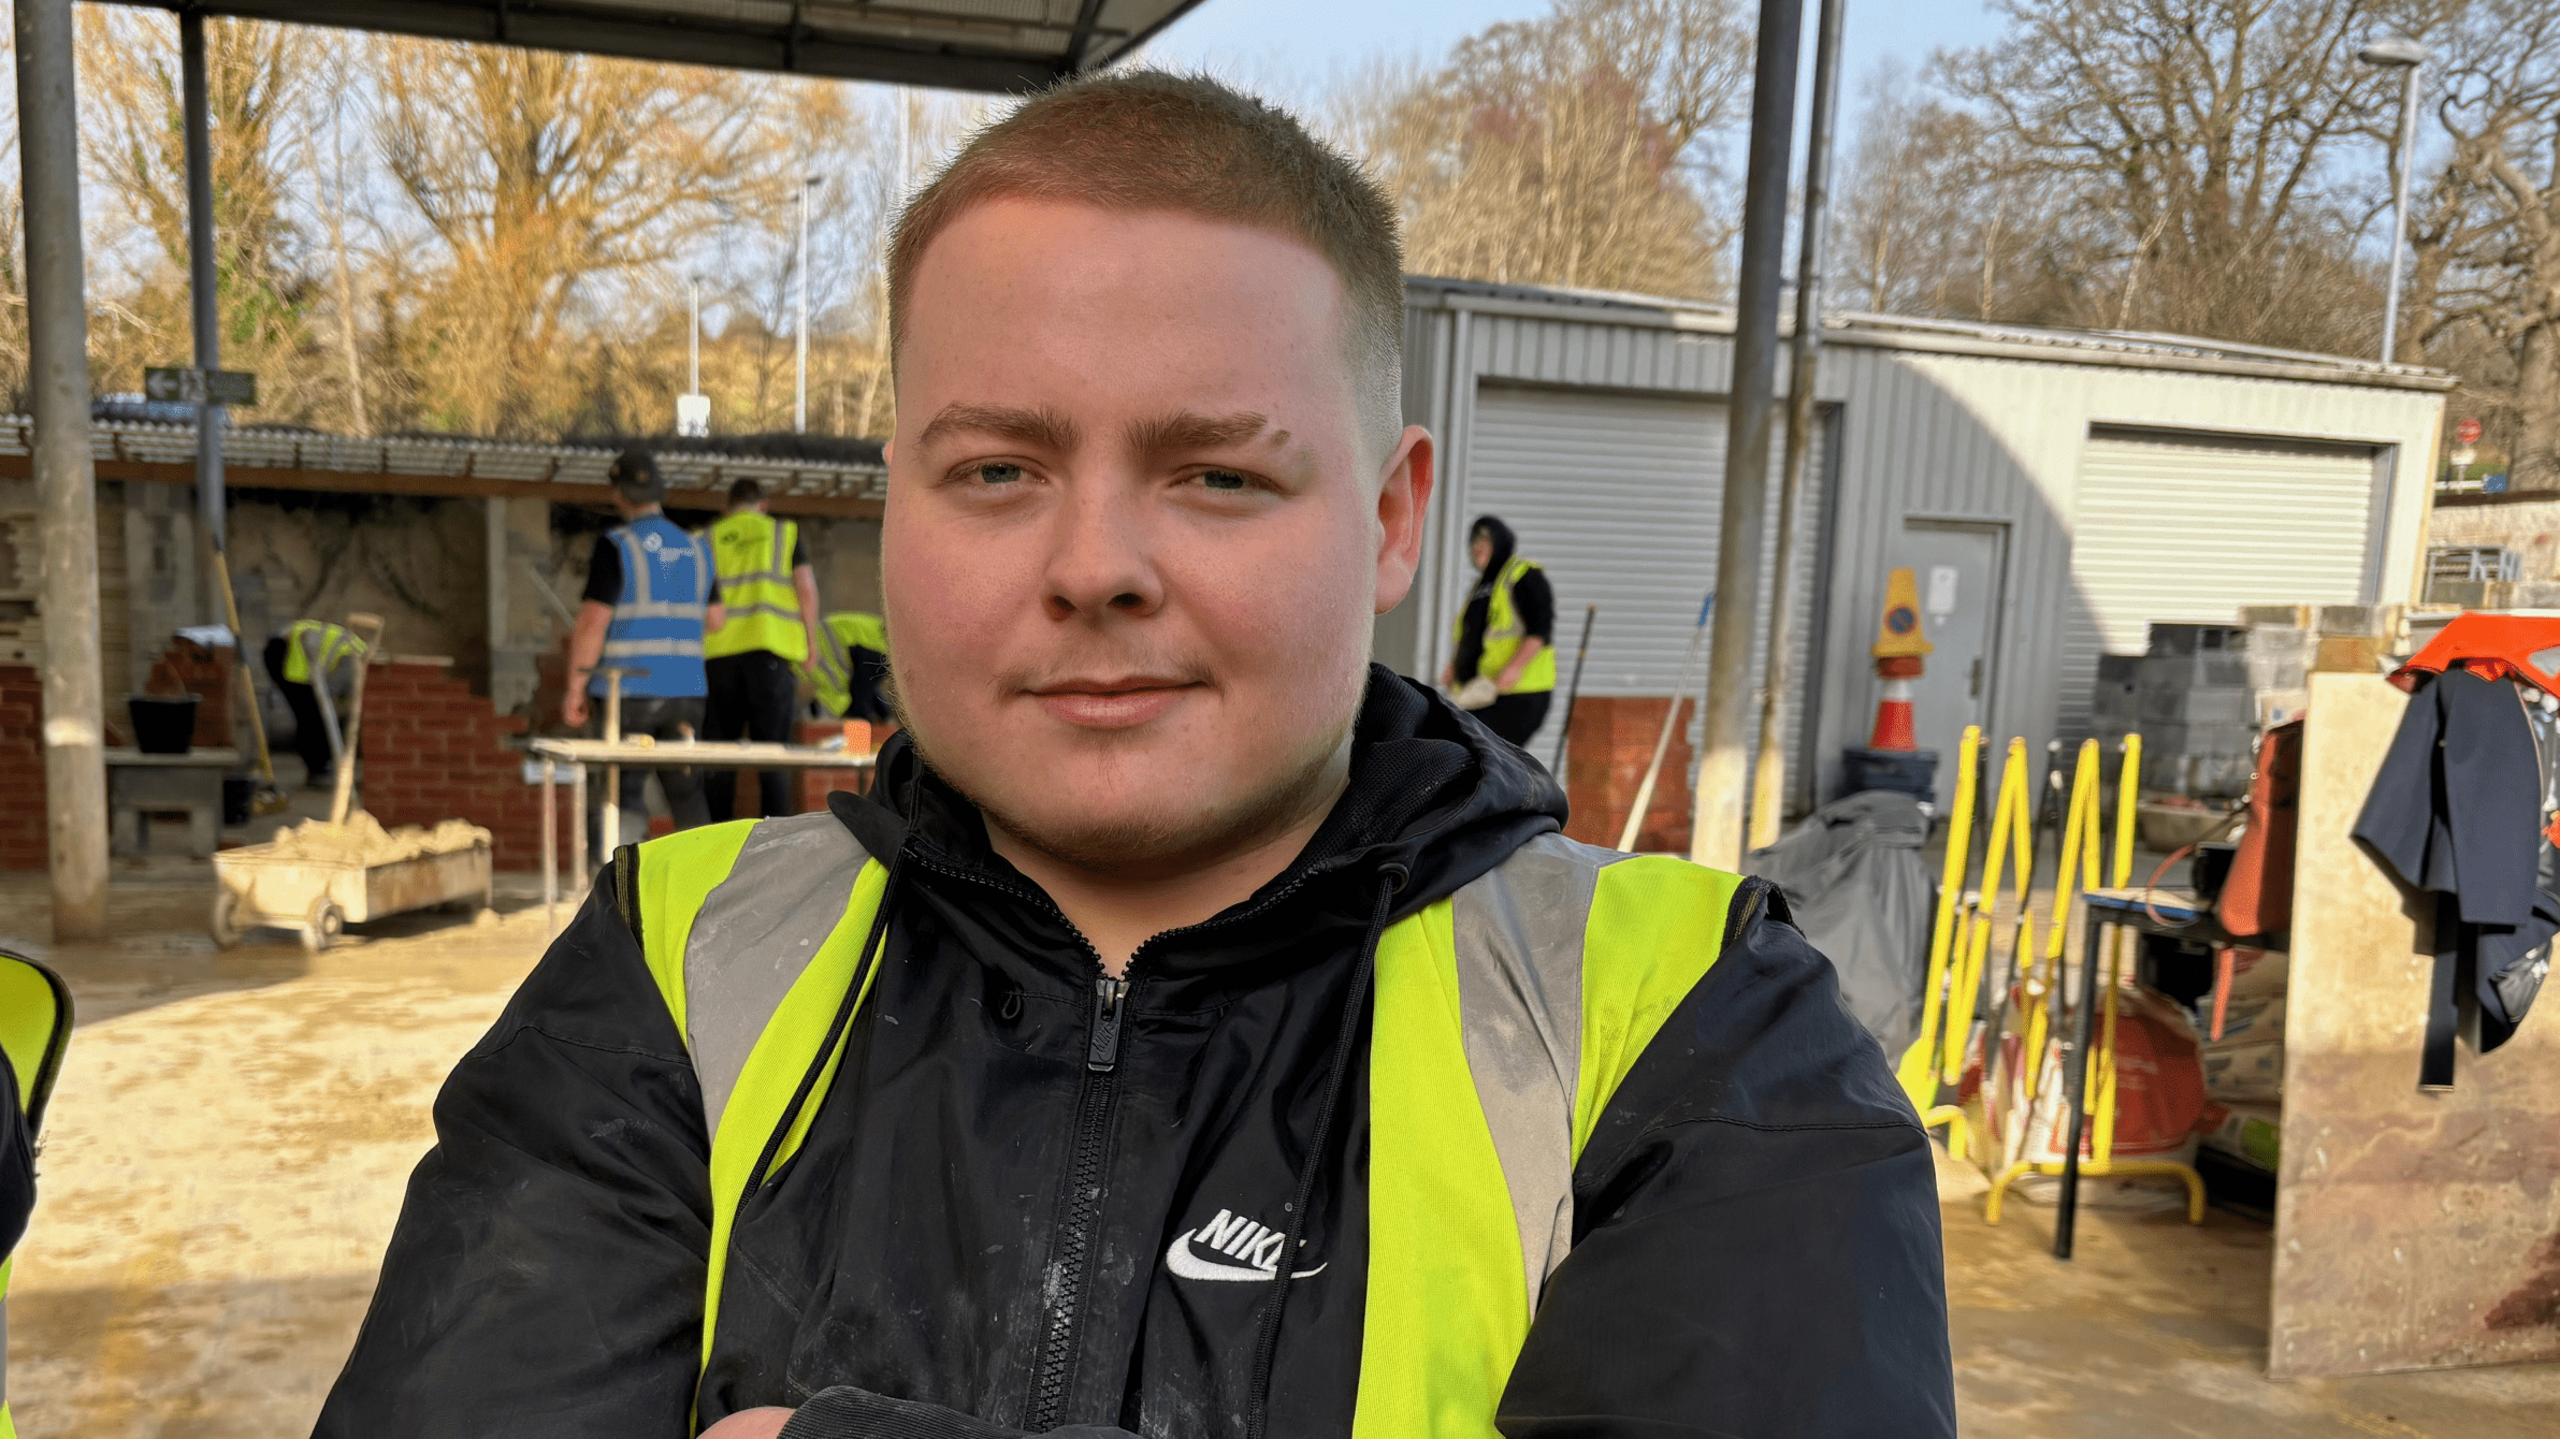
(2189, 529)
(1619, 496)
(1957, 565)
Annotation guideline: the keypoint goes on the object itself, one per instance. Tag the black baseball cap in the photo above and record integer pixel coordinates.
(635, 476)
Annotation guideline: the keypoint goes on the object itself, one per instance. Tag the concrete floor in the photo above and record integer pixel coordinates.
(226, 1153)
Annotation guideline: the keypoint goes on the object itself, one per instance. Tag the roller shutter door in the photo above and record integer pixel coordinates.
(2189, 530)
(1619, 497)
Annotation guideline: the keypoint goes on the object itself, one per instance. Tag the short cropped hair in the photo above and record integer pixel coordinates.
(1148, 140)
(745, 492)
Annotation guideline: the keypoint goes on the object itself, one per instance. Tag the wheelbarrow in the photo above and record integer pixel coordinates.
(264, 885)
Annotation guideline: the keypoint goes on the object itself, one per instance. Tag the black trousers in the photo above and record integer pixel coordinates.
(752, 696)
(1516, 717)
(310, 732)
(657, 718)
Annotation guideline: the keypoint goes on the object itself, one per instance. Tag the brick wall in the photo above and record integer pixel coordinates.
(434, 750)
(1613, 738)
(186, 667)
(22, 837)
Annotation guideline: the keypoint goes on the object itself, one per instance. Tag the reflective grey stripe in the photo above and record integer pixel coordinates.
(658, 610)
(635, 571)
(734, 611)
(1519, 935)
(617, 649)
(757, 930)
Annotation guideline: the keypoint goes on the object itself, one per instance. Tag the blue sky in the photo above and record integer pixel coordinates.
(1294, 47)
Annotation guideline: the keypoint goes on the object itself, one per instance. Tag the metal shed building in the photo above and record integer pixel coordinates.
(2056, 490)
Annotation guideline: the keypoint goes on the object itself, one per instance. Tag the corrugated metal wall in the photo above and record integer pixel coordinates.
(1573, 473)
(1919, 433)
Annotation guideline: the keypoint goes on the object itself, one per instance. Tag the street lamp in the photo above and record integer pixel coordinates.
(2398, 52)
(693, 408)
(800, 379)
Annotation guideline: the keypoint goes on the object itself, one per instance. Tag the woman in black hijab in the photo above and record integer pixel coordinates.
(1505, 667)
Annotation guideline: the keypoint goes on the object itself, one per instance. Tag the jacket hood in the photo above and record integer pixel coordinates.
(1505, 545)
(1433, 796)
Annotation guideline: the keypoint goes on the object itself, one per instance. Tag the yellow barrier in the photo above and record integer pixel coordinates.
(2099, 1093)
(1918, 1071)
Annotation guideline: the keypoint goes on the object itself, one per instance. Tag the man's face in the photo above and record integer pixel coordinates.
(1135, 534)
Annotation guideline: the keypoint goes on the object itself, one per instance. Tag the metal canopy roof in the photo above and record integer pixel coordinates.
(992, 45)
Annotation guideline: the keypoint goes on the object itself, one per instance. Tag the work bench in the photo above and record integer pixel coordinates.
(578, 754)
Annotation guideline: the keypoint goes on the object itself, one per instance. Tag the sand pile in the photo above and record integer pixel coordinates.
(363, 840)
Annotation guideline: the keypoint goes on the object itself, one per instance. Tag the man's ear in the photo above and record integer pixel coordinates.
(1404, 500)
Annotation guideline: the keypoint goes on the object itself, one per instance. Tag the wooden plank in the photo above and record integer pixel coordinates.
(2413, 1230)
(362, 482)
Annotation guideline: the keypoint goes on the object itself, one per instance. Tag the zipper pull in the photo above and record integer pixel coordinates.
(1103, 1050)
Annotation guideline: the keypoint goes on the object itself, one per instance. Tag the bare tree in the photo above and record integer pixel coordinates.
(548, 179)
(2195, 137)
(1568, 150)
(2485, 287)
(258, 80)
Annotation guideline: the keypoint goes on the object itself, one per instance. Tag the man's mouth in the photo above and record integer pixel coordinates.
(1118, 702)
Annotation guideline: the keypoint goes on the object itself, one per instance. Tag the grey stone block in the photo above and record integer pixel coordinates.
(2358, 620)
(2283, 616)
(2224, 738)
(2185, 639)
(2208, 670)
(2215, 705)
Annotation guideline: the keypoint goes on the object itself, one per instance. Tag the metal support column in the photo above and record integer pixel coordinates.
(1769, 771)
(1716, 833)
(203, 286)
(75, 774)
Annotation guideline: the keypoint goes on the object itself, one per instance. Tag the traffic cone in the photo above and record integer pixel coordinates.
(1899, 646)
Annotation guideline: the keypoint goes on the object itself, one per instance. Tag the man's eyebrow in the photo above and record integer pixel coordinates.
(1184, 431)
(1043, 428)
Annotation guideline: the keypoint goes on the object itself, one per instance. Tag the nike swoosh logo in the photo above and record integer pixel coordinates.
(1188, 1265)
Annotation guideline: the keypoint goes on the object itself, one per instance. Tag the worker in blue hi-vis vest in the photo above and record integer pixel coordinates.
(649, 601)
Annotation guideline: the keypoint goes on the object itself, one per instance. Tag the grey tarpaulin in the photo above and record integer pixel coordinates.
(1853, 873)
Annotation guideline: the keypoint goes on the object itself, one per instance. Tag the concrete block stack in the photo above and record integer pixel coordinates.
(2189, 697)
(2290, 643)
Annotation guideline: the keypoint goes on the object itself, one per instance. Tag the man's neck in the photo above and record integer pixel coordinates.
(1116, 915)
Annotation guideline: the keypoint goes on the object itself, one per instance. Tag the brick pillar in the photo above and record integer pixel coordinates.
(22, 836)
(434, 750)
(1612, 740)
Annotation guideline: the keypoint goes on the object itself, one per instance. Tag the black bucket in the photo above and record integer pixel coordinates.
(163, 724)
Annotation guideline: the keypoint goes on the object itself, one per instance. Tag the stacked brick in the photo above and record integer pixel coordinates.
(434, 750)
(22, 837)
(1612, 741)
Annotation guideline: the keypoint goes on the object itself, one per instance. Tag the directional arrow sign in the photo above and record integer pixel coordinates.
(179, 385)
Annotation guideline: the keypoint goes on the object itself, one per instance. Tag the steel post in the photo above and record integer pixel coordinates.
(1716, 831)
(204, 291)
(75, 774)
(1769, 772)
(2400, 211)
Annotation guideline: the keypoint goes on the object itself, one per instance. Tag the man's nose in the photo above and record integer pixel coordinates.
(1098, 558)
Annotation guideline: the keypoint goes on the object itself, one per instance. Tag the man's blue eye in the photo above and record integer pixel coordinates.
(1222, 480)
(999, 474)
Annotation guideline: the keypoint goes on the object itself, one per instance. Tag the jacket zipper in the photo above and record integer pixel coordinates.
(1065, 1283)
(1080, 1231)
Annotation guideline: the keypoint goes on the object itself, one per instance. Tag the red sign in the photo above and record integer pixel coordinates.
(2466, 432)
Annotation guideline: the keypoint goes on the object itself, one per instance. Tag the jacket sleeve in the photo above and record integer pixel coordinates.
(546, 1274)
(1756, 1247)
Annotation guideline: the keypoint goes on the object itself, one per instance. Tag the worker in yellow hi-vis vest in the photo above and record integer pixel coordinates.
(35, 1021)
(309, 656)
(848, 668)
(1504, 668)
(770, 596)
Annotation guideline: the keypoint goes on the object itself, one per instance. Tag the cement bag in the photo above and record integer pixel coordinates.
(1854, 875)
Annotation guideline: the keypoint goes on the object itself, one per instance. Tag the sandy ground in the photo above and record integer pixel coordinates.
(227, 1149)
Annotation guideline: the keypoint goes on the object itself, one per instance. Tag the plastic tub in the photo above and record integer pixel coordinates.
(163, 724)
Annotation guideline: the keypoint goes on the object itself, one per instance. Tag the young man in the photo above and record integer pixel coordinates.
(1205, 1034)
(648, 602)
(769, 600)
